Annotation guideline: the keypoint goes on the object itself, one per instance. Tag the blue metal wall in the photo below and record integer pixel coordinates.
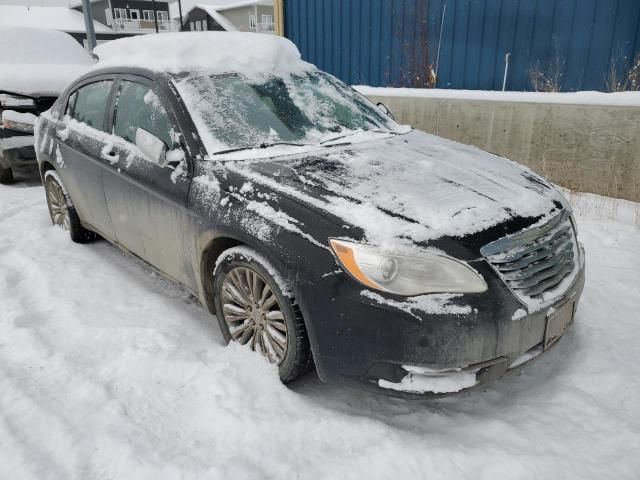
(393, 42)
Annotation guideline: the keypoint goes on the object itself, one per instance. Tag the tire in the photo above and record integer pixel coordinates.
(260, 324)
(6, 176)
(62, 211)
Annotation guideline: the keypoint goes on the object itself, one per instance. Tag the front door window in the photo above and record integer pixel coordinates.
(139, 107)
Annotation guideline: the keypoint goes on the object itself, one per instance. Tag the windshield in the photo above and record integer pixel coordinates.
(233, 112)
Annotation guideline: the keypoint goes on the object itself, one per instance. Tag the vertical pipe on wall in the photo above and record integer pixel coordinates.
(444, 11)
(506, 71)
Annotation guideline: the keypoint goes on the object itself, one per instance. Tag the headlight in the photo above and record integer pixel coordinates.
(21, 122)
(406, 275)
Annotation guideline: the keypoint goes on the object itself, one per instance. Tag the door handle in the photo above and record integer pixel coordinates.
(109, 155)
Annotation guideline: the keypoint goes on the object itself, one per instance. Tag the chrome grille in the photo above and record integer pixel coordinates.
(535, 260)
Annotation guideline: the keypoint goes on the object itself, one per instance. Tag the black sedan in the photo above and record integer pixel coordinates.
(318, 230)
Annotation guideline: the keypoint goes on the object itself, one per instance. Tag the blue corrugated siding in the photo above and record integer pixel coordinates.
(393, 42)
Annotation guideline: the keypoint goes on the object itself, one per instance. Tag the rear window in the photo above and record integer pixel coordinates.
(88, 104)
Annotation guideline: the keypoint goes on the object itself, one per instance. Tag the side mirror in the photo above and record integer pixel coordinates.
(384, 109)
(151, 146)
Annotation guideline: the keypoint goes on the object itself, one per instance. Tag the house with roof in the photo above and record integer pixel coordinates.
(131, 16)
(231, 15)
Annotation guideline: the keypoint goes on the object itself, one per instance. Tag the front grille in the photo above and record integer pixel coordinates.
(534, 261)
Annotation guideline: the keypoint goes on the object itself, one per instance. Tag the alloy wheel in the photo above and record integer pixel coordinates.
(253, 314)
(58, 205)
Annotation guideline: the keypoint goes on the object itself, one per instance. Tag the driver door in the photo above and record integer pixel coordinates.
(147, 199)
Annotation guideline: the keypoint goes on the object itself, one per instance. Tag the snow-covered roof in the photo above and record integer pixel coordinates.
(251, 54)
(218, 17)
(78, 3)
(54, 18)
(216, 5)
(40, 62)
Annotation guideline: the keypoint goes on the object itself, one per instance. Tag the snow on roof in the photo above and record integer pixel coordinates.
(48, 60)
(54, 18)
(218, 17)
(251, 54)
(217, 5)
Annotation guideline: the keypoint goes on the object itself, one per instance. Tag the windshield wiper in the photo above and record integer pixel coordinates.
(339, 137)
(262, 146)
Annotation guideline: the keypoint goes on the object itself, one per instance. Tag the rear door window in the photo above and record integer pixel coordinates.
(138, 106)
(89, 104)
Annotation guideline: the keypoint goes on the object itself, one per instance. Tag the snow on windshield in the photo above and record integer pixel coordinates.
(233, 112)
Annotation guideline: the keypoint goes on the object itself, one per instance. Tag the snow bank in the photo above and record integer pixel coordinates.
(107, 371)
(40, 62)
(215, 52)
(625, 99)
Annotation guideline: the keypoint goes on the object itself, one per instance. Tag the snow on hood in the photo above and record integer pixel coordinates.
(251, 54)
(415, 187)
(40, 62)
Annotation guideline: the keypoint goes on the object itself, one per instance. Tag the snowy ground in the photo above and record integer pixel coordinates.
(107, 371)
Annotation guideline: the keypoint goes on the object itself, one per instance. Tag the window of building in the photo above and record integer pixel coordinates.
(192, 26)
(134, 14)
(139, 107)
(267, 22)
(109, 16)
(203, 25)
(89, 103)
(148, 15)
(120, 13)
(163, 16)
(252, 21)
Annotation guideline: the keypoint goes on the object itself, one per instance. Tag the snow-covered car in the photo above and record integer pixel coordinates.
(35, 66)
(319, 230)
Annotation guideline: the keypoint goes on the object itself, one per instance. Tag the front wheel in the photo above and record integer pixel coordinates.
(62, 211)
(252, 310)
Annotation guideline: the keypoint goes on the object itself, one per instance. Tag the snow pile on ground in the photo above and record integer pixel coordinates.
(40, 62)
(625, 99)
(106, 371)
(214, 52)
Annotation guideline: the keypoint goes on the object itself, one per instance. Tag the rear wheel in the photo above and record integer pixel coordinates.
(252, 310)
(6, 176)
(62, 211)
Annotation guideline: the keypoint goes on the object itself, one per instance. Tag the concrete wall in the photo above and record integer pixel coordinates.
(589, 148)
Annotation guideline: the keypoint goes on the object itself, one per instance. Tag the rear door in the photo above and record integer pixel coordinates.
(80, 140)
(148, 201)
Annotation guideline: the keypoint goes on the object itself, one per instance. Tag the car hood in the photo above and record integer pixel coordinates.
(413, 188)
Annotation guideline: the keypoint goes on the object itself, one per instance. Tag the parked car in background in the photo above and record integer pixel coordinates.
(35, 66)
(311, 223)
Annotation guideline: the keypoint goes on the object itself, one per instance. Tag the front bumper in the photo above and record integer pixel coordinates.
(17, 151)
(363, 339)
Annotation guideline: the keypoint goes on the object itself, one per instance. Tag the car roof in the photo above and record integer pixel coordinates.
(249, 54)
